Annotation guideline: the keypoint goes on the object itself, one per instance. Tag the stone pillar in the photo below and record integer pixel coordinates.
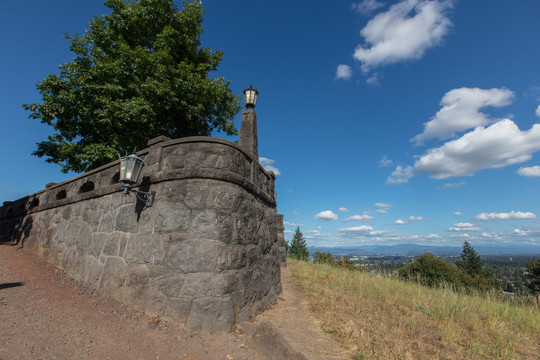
(248, 133)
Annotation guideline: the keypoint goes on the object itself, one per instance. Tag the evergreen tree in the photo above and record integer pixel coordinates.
(137, 73)
(474, 274)
(470, 262)
(533, 269)
(298, 247)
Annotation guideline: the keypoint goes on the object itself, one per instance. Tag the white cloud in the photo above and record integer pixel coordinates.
(381, 211)
(343, 209)
(520, 232)
(403, 32)
(489, 236)
(410, 219)
(513, 215)
(268, 164)
(363, 229)
(400, 175)
(327, 215)
(373, 80)
(458, 213)
(533, 171)
(461, 111)
(385, 161)
(464, 227)
(538, 111)
(453, 185)
(286, 223)
(383, 205)
(496, 146)
(366, 7)
(343, 72)
(363, 217)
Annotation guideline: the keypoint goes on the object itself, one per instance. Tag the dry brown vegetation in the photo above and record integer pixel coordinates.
(383, 318)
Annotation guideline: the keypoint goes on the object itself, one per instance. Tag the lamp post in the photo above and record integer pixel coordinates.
(248, 129)
(130, 169)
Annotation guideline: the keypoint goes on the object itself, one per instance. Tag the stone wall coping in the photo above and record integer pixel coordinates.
(22, 205)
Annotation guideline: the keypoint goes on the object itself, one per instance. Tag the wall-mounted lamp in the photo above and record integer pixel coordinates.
(250, 97)
(130, 169)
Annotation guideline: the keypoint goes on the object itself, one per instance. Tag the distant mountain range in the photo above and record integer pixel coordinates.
(415, 249)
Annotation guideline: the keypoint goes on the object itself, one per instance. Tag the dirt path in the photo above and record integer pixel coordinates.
(45, 315)
(293, 320)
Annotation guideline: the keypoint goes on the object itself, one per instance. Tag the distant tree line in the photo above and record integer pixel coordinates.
(466, 273)
(298, 250)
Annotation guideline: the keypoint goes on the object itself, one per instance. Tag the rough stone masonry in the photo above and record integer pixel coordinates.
(206, 255)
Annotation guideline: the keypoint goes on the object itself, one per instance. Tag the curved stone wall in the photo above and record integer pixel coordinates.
(207, 254)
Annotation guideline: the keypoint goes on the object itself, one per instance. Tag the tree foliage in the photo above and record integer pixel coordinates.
(298, 247)
(470, 262)
(323, 258)
(431, 270)
(474, 273)
(137, 73)
(533, 270)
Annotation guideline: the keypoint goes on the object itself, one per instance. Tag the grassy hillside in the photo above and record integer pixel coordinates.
(383, 318)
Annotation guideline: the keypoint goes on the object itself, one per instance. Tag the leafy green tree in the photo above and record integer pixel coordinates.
(533, 269)
(137, 73)
(347, 263)
(298, 247)
(431, 270)
(322, 258)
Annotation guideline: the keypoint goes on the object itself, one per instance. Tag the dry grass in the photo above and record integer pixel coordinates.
(382, 318)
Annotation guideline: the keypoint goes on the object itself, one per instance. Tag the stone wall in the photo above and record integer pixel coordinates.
(206, 255)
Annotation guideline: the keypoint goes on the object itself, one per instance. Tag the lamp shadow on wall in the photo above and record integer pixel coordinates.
(140, 204)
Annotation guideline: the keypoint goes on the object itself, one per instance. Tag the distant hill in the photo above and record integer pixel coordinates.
(415, 249)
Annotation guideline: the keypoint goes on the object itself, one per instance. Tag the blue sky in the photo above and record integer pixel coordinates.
(388, 121)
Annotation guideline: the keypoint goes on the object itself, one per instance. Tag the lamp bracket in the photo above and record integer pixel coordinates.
(145, 196)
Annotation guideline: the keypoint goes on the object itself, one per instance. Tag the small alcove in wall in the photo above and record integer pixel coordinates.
(61, 195)
(86, 187)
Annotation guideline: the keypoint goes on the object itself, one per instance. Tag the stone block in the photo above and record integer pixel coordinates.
(115, 274)
(194, 256)
(211, 225)
(146, 297)
(93, 271)
(126, 219)
(178, 309)
(195, 193)
(245, 229)
(98, 240)
(111, 245)
(171, 217)
(92, 216)
(143, 249)
(197, 285)
(225, 198)
(211, 314)
(106, 223)
(138, 275)
(172, 284)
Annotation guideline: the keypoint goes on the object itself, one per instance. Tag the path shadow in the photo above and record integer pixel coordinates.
(10, 285)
